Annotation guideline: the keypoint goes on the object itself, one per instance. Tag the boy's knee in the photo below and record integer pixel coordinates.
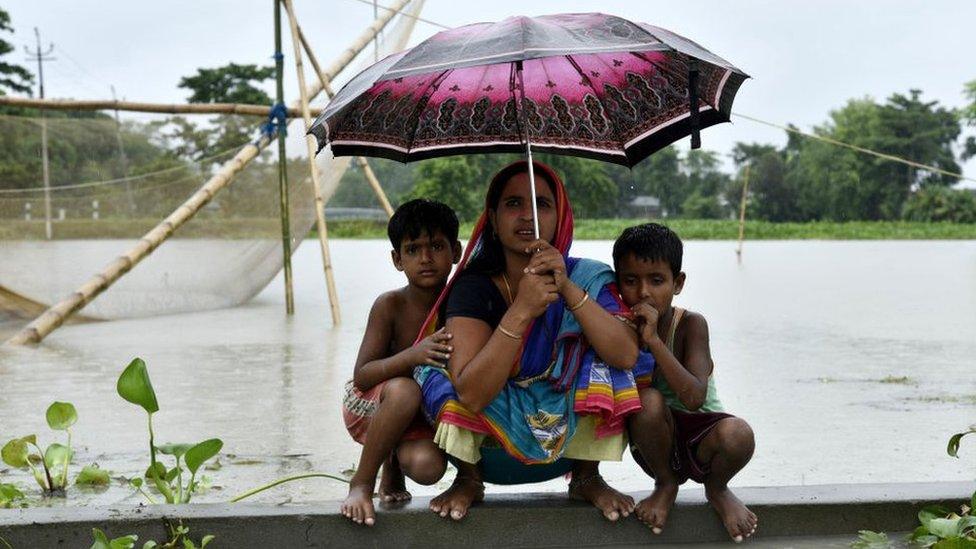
(654, 408)
(424, 466)
(735, 434)
(402, 389)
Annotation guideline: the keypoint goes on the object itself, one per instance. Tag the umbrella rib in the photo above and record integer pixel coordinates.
(596, 94)
(672, 72)
(420, 107)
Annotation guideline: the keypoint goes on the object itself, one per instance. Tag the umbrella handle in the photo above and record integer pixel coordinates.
(693, 100)
(528, 147)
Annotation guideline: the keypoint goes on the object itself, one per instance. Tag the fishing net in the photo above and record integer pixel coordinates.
(111, 180)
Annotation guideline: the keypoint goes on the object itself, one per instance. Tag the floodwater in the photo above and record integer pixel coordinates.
(853, 361)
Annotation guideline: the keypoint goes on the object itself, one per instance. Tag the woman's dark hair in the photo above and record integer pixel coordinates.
(489, 258)
(421, 215)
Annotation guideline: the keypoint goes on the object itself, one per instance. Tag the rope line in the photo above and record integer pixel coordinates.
(418, 18)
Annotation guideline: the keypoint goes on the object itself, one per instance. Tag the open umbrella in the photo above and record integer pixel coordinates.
(590, 85)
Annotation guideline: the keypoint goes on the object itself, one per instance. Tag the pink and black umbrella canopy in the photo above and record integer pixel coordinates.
(590, 85)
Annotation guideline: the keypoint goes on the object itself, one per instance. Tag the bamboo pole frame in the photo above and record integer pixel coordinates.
(161, 108)
(284, 209)
(311, 144)
(742, 213)
(371, 178)
(56, 315)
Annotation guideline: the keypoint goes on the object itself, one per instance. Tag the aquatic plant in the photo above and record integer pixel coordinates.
(8, 495)
(135, 386)
(179, 536)
(53, 474)
(939, 528)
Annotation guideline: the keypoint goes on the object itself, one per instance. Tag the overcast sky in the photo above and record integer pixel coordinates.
(805, 57)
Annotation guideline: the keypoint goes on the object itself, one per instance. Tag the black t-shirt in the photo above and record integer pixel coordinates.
(474, 295)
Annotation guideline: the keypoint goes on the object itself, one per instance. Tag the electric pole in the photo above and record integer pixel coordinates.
(41, 57)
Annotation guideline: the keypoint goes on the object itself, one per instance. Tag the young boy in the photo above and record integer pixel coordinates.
(681, 431)
(382, 401)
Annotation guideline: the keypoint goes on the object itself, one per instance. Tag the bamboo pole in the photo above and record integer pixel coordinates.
(283, 166)
(371, 178)
(49, 321)
(109, 104)
(742, 213)
(311, 145)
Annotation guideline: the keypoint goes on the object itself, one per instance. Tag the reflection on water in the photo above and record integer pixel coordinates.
(852, 360)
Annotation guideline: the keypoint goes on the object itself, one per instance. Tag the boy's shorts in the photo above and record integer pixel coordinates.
(690, 428)
(358, 409)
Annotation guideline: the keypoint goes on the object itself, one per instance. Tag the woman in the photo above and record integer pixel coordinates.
(524, 397)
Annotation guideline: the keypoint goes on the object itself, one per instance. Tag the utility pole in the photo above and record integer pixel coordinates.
(123, 160)
(282, 165)
(41, 57)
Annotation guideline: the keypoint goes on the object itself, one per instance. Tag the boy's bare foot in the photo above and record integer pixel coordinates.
(456, 500)
(595, 490)
(358, 505)
(738, 519)
(393, 486)
(653, 511)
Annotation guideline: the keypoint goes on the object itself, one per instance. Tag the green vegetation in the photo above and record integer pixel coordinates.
(939, 528)
(52, 477)
(724, 229)
(135, 386)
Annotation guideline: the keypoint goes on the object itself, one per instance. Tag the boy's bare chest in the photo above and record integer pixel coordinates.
(406, 326)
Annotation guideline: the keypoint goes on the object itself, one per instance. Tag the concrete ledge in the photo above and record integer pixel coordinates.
(530, 520)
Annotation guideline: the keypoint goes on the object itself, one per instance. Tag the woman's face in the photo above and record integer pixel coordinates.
(512, 217)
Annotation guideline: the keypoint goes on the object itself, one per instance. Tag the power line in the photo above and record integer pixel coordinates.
(405, 14)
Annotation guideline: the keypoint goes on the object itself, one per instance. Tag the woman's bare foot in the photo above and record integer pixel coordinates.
(456, 500)
(653, 511)
(393, 486)
(738, 519)
(358, 505)
(595, 490)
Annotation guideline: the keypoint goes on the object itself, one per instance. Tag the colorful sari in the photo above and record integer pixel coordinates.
(557, 381)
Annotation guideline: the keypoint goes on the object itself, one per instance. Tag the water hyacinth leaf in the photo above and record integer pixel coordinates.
(206, 539)
(931, 512)
(9, 493)
(92, 475)
(196, 456)
(15, 452)
(61, 415)
(57, 455)
(136, 482)
(955, 543)
(150, 545)
(174, 449)
(945, 527)
(972, 503)
(134, 386)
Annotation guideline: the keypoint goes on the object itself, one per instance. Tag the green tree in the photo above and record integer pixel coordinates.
(941, 204)
(449, 180)
(841, 184)
(591, 191)
(231, 83)
(770, 197)
(704, 184)
(658, 175)
(13, 77)
(968, 115)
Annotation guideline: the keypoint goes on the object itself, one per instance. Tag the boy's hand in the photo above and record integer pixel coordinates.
(546, 259)
(433, 349)
(646, 317)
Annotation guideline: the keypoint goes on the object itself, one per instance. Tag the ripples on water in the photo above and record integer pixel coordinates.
(853, 361)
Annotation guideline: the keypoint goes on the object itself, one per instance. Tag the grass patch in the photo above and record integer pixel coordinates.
(586, 229)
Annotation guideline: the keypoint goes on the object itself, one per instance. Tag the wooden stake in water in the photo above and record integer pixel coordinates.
(283, 168)
(742, 213)
(310, 143)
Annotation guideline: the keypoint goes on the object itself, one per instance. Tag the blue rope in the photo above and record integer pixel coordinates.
(278, 56)
(277, 121)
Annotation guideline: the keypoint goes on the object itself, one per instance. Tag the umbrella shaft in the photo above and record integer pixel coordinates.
(528, 148)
